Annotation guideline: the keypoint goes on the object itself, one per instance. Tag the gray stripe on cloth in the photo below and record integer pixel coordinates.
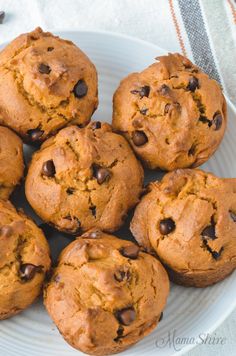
(195, 28)
(222, 37)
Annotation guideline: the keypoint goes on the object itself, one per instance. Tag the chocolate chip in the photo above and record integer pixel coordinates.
(139, 138)
(232, 215)
(48, 168)
(193, 84)
(217, 121)
(121, 276)
(209, 231)
(28, 271)
(161, 317)
(93, 210)
(2, 16)
(50, 49)
(80, 89)
(130, 251)
(70, 191)
(126, 316)
(44, 68)
(216, 255)
(143, 111)
(101, 174)
(166, 226)
(35, 134)
(164, 90)
(143, 91)
(205, 120)
(120, 331)
(6, 231)
(96, 125)
(167, 108)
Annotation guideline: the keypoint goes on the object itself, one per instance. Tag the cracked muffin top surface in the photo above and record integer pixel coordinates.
(189, 220)
(11, 161)
(105, 294)
(172, 113)
(84, 177)
(24, 260)
(46, 83)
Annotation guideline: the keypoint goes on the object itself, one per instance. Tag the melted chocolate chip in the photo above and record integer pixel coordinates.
(50, 49)
(96, 125)
(232, 215)
(216, 255)
(143, 91)
(44, 68)
(130, 251)
(101, 174)
(35, 134)
(139, 138)
(193, 84)
(48, 168)
(217, 121)
(126, 316)
(80, 89)
(166, 226)
(6, 231)
(143, 111)
(209, 231)
(28, 271)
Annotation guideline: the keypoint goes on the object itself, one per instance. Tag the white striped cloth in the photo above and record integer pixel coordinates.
(203, 30)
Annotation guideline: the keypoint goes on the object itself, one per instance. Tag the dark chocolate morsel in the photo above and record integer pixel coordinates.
(166, 226)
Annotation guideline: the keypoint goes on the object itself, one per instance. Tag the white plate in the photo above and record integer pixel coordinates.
(190, 312)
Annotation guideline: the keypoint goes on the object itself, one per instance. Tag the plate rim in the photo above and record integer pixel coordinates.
(61, 32)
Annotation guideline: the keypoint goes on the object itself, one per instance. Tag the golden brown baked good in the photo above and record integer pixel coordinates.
(189, 220)
(11, 161)
(105, 294)
(83, 178)
(46, 83)
(24, 260)
(172, 113)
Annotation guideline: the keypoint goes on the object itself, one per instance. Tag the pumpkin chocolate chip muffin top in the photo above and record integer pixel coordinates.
(189, 220)
(105, 294)
(172, 113)
(83, 178)
(46, 83)
(24, 260)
